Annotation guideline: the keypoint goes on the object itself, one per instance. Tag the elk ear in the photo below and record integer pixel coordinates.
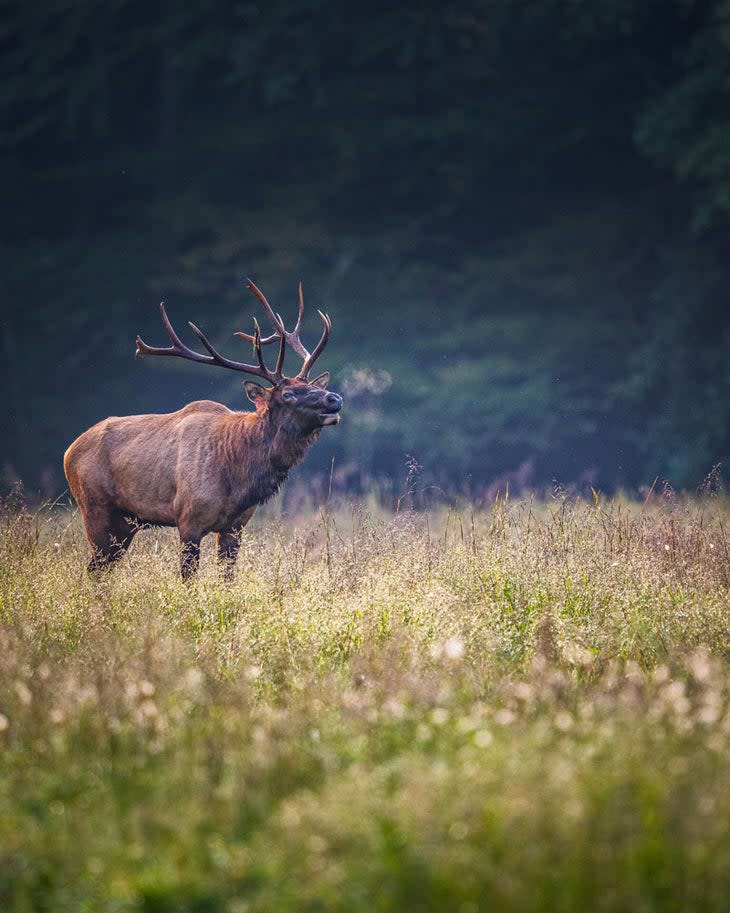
(321, 381)
(255, 392)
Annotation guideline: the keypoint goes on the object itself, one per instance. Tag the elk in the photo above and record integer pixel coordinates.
(204, 468)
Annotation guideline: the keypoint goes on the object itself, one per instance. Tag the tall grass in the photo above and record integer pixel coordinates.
(523, 709)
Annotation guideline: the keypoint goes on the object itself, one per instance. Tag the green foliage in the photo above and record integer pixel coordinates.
(516, 210)
(525, 708)
(688, 129)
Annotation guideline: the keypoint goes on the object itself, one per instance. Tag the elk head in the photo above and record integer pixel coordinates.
(297, 402)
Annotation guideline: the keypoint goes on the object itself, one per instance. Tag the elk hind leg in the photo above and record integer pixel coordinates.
(110, 534)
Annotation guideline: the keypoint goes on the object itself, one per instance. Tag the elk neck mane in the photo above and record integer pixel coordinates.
(261, 451)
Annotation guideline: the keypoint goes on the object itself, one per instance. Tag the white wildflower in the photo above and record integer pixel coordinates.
(453, 648)
(504, 717)
(563, 720)
(439, 716)
(146, 688)
(482, 738)
(24, 693)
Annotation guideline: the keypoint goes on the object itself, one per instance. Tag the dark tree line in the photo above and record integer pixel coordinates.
(517, 213)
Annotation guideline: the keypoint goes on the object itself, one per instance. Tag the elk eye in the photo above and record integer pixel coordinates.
(289, 396)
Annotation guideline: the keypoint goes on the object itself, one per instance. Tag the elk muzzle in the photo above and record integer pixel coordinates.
(331, 414)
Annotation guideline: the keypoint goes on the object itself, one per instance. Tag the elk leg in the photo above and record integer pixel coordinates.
(228, 545)
(189, 556)
(110, 535)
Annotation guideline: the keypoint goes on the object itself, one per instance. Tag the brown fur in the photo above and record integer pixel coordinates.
(202, 469)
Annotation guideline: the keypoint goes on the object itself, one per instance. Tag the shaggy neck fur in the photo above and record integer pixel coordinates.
(261, 449)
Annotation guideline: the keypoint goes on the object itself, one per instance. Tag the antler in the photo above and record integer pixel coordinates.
(179, 349)
(292, 337)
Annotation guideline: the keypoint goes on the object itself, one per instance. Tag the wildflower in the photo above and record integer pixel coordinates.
(193, 678)
(563, 720)
(453, 648)
(147, 709)
(675, 699)
(394, 708)
(482, 738)
(504, 717)
(709, 713)
(24, 693)
(577, 655)
(699, 665)
(524, 691)
(439, 715)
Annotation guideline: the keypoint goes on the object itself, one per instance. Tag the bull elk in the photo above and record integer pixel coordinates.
(204, 468)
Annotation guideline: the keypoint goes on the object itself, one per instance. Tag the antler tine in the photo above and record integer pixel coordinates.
(300, 314)
(291, 338)
(217, 358)
(178, 348)
(252, 339)
(276, 321)
(310, 359)
(279, 366)
(257, 341)
(285, 337)
(257, 344)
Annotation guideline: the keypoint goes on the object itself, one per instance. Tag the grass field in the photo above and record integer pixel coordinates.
(526, 709)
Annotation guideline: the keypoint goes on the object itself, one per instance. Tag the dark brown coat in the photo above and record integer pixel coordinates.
(203, 469)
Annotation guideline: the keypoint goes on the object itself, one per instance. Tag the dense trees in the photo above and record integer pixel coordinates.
(520, 211)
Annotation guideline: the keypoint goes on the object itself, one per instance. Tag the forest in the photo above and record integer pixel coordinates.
(517, 215)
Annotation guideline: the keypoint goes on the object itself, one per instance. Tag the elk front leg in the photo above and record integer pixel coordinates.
(189, 555)
(228, 545)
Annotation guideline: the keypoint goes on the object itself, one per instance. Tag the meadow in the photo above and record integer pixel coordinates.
(522, 708)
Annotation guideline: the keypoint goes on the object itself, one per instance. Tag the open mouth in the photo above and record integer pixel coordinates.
(329, 418)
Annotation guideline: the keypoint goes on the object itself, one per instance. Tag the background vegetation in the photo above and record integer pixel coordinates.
(518, 216)
(517, 210)
(527, 708)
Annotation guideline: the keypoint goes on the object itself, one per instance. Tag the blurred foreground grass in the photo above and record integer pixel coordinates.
(523, 710)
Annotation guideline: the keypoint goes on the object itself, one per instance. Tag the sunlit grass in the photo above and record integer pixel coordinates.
(521, 709)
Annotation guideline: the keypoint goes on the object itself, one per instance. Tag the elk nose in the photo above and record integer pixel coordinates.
(334, 400)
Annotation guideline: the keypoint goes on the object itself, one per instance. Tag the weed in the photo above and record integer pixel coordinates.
(524, 708)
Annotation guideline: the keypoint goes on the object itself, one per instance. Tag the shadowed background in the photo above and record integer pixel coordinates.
(517, 215)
